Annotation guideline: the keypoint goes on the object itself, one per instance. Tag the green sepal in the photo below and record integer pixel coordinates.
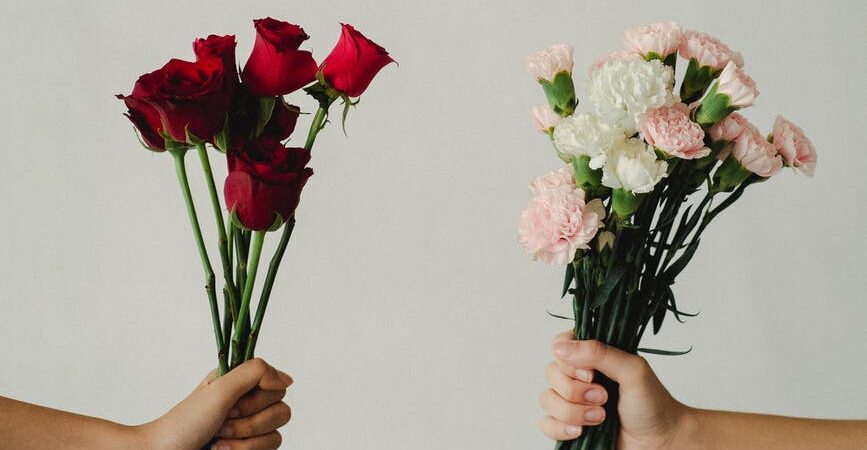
(568, 278)
(221, 140)
(696, 80)
(670, 60)
(655, 351)
(714, 108)
(275, 225)
(266, 109)
(728, 176)
(192, 139)
(585, 177)
(278, 222)
(625, 203)
(560, 93)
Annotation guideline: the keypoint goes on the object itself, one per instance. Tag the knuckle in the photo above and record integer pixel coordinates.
(596, 350)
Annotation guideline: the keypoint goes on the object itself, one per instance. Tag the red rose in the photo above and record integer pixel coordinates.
(145, 118)
(222, 47)
(276, 66)
(265, 178)
(186, 95)
(354, 62)
(282, 122)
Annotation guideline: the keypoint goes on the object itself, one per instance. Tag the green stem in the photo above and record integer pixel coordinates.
(244, 312)
(223, 241)
(180, 168)
(317, 125)
(266, 288)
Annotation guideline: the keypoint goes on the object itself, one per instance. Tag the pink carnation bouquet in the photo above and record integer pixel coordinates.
(647, 170)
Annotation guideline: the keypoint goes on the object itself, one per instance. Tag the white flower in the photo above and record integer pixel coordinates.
(586, 134)
(548, 62)
(623, 89)
(632, 166)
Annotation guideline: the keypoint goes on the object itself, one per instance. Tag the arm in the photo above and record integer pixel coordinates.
(243, 409)
(652, 419)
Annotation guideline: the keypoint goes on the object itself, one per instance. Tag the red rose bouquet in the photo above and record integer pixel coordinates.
(192, 105)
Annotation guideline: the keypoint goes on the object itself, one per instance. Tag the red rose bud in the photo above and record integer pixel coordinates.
(265, 182)
(354, 62)
(145, 118)
(276, 66)
(189, 96)
(222, 47)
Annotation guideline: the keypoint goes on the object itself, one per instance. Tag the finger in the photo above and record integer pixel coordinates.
(571, 413)
(585, 375)
(255, 372)
(557, 430)
(270, 441)
(572, 390)
(613, 362)
(264, 422)
(565, 336)
(255, 401)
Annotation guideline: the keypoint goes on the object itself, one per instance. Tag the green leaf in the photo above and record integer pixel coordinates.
(655, 351)
(567, 280)
(266, 108)
(559, 316)
(677, 266)
(611, 279)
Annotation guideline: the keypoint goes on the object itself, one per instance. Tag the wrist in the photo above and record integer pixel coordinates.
(686, 435)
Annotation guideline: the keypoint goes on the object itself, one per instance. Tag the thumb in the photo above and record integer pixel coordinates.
(253, 373)
(616, 364)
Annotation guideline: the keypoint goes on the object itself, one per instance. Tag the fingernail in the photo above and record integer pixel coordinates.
(584, 375)
(220, 446)
(234, 413)
(563, 349)
(595, 396)
(594, 415)
(572, 430)
(285, 378)
(226, 431)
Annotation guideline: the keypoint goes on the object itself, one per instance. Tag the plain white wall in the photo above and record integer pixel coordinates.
(405, 310)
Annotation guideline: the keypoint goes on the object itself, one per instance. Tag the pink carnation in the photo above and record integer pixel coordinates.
(613, 56)
(737, 85)
(755, 153)
(729, 128)
(797, 150)
(557, 223)
(564, 176)
(548, 62)
(661, 38)
(544, 118)
(670, 129)
(708, 50)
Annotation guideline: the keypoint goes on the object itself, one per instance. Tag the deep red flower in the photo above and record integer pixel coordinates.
(276, 66)
(222, 47)
(354, 62)
(265, 181)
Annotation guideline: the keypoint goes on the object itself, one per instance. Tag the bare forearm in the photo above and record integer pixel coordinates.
(721, 430)
(24, 426)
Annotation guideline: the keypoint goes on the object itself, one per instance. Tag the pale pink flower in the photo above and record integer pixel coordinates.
(557, 223)
(544, 118)
(796, 149)
(708, 50)
(564, 176)
(548, 62)
(670, 129)
(613, 56)
(661, 38)
(737, 85)
(729, 128)
(755, 153)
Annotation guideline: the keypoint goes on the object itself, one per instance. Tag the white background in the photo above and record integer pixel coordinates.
(405, 310)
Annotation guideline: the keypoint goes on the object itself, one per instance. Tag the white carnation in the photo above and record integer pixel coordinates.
(623, 89)
(587, 134)
(632, 166)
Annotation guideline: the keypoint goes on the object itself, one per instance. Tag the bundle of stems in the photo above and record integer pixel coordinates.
(619, 291)
(240, 251)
